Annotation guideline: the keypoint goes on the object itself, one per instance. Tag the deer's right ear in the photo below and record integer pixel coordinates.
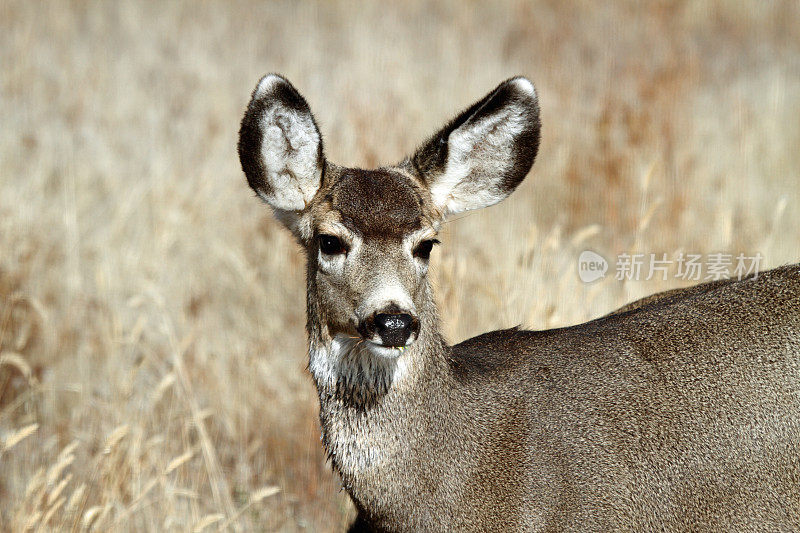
(280, 147)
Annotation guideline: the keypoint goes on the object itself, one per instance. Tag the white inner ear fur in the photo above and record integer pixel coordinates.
(479, 154)
(289, 152)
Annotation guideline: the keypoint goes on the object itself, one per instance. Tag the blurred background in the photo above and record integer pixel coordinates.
(152, 343)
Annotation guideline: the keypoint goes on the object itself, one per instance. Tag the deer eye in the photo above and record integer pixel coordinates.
(330, 245)
(423, 249)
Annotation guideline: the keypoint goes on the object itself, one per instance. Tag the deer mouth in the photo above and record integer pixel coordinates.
(381, 350)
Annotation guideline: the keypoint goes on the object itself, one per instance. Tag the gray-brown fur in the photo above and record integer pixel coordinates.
(679, 412)
(377, 203)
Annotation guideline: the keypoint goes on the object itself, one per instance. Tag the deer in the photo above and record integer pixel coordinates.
(679, 412)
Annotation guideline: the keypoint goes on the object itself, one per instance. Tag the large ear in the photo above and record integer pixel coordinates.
(481, 156)
(280, 147)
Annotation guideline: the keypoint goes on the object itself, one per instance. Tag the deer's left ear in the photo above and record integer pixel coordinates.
(481, 156)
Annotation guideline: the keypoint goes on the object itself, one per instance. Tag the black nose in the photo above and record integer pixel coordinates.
(395, 328)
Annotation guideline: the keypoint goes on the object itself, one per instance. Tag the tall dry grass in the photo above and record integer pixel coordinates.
(152, 366)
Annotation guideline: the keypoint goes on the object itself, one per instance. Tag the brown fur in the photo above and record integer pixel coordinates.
(679, 412)
(378, 203)
(683, 414)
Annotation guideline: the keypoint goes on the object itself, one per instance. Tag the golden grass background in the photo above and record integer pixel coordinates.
(151, 311)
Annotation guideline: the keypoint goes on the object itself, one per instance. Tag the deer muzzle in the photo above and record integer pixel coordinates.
(390, 329)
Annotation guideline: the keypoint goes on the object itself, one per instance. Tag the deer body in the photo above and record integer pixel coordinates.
(681, 412)
(639, 421)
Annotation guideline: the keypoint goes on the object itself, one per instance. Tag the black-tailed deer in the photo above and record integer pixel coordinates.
(678, 413)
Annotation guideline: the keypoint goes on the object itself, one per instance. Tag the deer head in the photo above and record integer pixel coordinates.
(368, 234)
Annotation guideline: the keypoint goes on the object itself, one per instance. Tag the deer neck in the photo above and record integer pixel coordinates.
(371, 407)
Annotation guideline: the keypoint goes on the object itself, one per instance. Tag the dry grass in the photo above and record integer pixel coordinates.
(151, 312)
